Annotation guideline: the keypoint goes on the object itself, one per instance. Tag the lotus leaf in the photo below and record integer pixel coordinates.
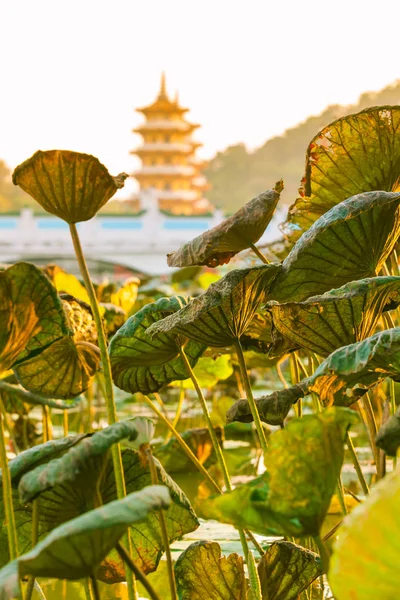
(243, 229)
(273, 409)
(113, 316)
(351, 241)
(292, 498)
(349, 371)
(141, 364)
(357, 153)
(31, 314)
(286, 570)
(367, 553)
(66, 283)
(202, 573)
(124, 297)
(222, 314)
(75, 549)
(339, 317)
(209, 371)
(70, 185)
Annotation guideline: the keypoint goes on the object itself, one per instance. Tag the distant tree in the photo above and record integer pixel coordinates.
(237, 175)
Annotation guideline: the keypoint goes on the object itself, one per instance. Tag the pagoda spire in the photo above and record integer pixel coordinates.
(163, 88)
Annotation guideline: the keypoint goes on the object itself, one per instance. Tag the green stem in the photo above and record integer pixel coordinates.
(340, 494)
(35, 536)
(393, 408)
(88, 589)
(323, 552)
(163, 527)
(95, 587)
(47, 427)
(260, 255)
(372, 429)
(254, 579)
(214, 439)
(356, 464)
(109, 390)
(177, 414)
(7, 495)
(138, 573)
(65, 423)
(250, 397)
(183, 444)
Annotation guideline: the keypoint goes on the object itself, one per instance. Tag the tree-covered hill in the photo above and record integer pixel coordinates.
(237, 175)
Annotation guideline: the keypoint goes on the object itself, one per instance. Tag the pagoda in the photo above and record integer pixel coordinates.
(169, 167)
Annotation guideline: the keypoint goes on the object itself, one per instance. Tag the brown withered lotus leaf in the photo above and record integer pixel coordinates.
(337, 318)
(222, 314)
(70, 185)
(273, 409)
(218, 245)
(356, 153)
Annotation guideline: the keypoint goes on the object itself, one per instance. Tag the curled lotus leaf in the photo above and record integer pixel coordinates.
(142, 364)
(113, 316)
(31, 314)
(388, 437)
(273, 408)
(225, 578)
(356, 153)
(339, 317)
(369, 535)
(72, 478)
(350, 371)
(77, 461)
(292, 498)
(286, 570)
(349, 242)
(199, 441)
(243, 229)
(70, 185)
(123, 297)
(74, 549)
(221, 315)
(66, 368)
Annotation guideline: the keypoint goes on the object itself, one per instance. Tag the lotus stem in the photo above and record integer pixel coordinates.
(108, 383)
(35, 536)
(393, 408)
(65, 423)
(254, 579)
(163, 527)
(259, 254)
(323, 552)
(356, 464)
(250, 397)
(183, 445)
(340, 494)
(7, 494)
(280, 374)
(47, 426)
(31, 398)
(214, 439)
(140, 576)
(95, 587)
(373, 430)
(88, 589)
(177, 414)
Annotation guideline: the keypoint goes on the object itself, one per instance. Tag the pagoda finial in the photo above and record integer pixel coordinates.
(163, 90)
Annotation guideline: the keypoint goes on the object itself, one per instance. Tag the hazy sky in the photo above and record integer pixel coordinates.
(73, 71)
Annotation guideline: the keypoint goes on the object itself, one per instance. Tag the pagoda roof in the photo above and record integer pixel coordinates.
(166, 125)
(163, 103)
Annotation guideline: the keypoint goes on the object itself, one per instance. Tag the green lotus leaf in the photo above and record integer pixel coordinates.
(70, 185)
(209, 371)
(273, 408)
(222, 314)
(388, 437)
(80, 461)
(292, 498)
(113, 317)
(17, 400)
(350, 371)
(349, 242)
(369, 537)
(339, 317)
(286, 570)
(141, 364)
(81, 478)
(31, 314)
(218, 245)
(66, 283)
(63, 370)
(357, 153)
(75, 549)
(203, 573)
(199, 441)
